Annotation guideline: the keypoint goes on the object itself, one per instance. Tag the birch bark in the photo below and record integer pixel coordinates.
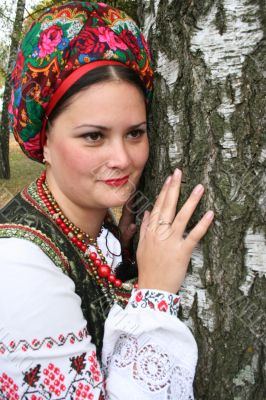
(4, 131)
(209, 114)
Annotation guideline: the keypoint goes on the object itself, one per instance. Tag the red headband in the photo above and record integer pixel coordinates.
(67, 83)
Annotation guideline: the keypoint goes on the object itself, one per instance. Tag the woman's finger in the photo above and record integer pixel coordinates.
(197, 233)
(160, 199)
(187, 210)
(168, 209)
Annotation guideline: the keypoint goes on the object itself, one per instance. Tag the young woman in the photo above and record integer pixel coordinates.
(70, 328)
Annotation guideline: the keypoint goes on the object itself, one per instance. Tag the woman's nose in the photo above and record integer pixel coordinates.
(119, 156)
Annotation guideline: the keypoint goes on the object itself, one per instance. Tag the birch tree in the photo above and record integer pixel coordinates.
(209, 114)
(4, 131)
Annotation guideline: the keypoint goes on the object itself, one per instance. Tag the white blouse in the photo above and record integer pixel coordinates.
(46, 351)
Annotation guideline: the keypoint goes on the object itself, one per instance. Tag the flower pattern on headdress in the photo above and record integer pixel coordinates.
(63, 39)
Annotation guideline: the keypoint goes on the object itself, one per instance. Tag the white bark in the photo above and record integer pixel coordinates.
(209, 115)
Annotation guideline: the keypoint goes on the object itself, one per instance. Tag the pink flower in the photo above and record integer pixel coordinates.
(163, 306)
(49, 39)
(32, 146)
(108, 36)
(139, 296)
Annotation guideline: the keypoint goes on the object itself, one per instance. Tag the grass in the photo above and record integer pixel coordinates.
(23, 172)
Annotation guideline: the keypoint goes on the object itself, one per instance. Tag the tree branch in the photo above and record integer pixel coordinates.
(42, 9)
(3, 15)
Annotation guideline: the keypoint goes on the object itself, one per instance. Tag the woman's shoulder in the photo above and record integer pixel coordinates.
(13, 248)
(29, 277)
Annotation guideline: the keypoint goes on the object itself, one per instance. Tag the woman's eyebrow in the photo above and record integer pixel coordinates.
(106, 128)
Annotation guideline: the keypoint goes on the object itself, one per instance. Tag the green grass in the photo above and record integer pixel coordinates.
(23, 171)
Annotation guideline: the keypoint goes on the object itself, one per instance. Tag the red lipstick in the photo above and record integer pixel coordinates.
(117, 182)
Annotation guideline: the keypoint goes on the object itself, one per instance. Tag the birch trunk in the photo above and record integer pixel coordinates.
(4, 131)
(209, 114)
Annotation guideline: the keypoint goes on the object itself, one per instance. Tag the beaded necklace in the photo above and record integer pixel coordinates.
(96, 265)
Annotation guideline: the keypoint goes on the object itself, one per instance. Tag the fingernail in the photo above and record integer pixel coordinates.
(209, 215)
(198, 189)
(177, 172)
(168, 179)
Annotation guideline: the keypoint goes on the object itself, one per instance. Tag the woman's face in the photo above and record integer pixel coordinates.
(101, 135)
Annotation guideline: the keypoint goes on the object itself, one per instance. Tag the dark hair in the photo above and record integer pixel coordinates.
(97, 75)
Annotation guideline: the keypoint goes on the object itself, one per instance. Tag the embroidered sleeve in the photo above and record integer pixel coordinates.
(45, 349)
(148, 352)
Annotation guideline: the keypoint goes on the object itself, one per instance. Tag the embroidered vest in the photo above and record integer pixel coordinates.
(25, 217)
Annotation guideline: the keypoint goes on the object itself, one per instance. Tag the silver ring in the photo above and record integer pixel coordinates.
(162, 222)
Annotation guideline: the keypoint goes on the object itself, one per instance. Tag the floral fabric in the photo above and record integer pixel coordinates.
(62, 40)
(154, 300)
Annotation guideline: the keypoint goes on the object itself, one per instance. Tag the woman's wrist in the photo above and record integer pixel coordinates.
(157, 286)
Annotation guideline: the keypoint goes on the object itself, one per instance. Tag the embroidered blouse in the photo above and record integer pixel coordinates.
(46, 351)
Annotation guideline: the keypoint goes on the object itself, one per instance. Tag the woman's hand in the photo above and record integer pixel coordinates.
(163, 253)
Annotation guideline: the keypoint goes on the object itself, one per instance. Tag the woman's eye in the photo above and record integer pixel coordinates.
(137, 133)
(93, 136)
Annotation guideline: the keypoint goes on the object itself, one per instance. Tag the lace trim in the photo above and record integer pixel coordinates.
(151, 368)
(154, 300)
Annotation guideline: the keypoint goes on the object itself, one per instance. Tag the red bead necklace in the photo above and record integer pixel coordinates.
(98, 265)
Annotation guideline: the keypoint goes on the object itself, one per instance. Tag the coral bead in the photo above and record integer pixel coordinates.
(93, 256)
(104, 271)
(118, 283)
(79, 244)
(111, 278)
(97, 262)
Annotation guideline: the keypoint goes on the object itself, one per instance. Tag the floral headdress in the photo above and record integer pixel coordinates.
(61, 46)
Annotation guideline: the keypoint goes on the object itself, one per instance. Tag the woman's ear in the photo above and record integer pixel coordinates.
(46, 149)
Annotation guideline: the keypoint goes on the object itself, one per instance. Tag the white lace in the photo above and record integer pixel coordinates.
(151, 368)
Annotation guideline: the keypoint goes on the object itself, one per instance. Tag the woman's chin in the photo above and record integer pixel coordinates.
(117, 199)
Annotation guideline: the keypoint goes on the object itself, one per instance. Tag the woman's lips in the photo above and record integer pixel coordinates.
(117, 182)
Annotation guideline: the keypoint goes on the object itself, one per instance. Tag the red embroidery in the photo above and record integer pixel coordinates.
(8, 388)
(162, 306)
(44, 383)
(48, 342)
(78, 363)
(32, 376)
(155, 300)
(139, 296)
(94, 367)
(54, 380)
